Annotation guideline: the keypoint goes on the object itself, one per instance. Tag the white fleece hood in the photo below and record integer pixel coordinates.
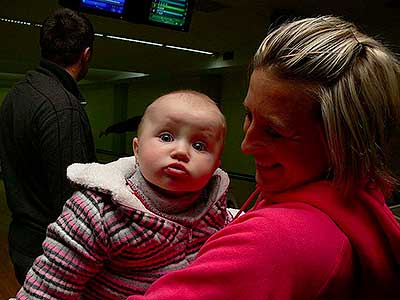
(108, 178)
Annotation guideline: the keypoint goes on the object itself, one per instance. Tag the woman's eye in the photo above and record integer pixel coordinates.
(248, 115)
(166, 137)
(199, 146)
(271, 132)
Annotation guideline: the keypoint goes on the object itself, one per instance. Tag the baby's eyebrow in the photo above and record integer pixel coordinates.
(208, 133)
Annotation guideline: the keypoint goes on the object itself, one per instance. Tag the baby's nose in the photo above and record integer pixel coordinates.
(181, 152)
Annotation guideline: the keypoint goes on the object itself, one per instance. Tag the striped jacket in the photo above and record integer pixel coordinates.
(108, 243)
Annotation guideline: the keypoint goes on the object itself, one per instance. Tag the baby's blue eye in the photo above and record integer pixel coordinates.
(166, 137)
(199, 146)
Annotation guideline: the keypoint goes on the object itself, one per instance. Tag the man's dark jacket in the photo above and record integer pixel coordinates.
(43, 129)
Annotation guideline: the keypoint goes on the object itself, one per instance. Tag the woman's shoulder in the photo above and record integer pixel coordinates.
(298, 235)
(294, 245)
(296, 224)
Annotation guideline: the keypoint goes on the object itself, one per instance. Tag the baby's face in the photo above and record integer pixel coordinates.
(179, 146)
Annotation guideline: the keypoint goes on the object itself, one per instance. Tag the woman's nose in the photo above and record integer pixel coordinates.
(249, 143)
(246, 144)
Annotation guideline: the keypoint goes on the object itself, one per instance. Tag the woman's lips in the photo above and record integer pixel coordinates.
(265, 166)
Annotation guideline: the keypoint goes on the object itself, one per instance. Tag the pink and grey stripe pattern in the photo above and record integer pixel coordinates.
(100, 250)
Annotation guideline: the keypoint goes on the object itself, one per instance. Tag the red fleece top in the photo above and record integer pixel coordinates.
(306, 243)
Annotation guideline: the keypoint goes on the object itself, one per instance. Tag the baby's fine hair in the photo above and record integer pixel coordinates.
(200, 99)
(355, 79)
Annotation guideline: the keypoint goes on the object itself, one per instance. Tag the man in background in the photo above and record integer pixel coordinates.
(44, 129)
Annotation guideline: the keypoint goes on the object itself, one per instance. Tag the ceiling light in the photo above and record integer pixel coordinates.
(125, 39)
(132, 40)
(15, 21)
(189, 49)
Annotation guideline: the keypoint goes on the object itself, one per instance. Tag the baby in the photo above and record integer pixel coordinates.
(137, 218)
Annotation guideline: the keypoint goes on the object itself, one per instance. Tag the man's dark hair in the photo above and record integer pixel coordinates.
(64, 35)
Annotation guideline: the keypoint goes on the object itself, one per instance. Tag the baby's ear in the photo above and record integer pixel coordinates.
(135, 145)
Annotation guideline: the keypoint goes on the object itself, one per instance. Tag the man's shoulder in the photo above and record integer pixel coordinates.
(43, 90)
(44, 83)
(22, 97)
(35, 82)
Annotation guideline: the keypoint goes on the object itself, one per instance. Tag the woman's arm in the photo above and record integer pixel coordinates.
(234, 264)
(274, 254)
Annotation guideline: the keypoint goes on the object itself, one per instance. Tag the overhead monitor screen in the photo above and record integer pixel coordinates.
(112, 6)
(169, 12)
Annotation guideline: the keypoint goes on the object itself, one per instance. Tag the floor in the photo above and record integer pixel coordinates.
(8, 285)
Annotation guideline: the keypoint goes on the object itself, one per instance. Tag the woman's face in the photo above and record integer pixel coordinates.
(283, 133)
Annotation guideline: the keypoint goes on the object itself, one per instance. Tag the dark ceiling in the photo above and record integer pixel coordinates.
(219, 26)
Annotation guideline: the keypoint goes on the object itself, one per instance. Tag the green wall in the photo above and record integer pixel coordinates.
(100, 108)
(3, 92)
(234, 89)
(109, 104)
(112, 102)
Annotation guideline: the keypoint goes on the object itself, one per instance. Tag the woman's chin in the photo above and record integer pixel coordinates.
(272, 184)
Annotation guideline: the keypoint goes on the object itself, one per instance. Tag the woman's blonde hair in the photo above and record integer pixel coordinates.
(355, 79)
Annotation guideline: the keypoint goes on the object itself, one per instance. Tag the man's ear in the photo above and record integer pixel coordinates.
(86, 54)
(135, 145)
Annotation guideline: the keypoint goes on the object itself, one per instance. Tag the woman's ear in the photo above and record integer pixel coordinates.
(135, 145)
